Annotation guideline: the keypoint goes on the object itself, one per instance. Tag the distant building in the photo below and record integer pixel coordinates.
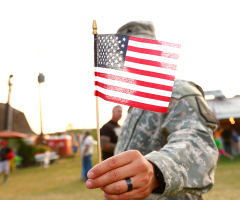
(227, 110)
(16, 122)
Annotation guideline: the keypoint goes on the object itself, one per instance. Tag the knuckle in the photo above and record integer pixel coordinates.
(112, 162)
(113, 175)
(95, 182)
(118, 189)
(123, 197)
(135, 152)
(145, 180)
(97, 170)
(142, 166)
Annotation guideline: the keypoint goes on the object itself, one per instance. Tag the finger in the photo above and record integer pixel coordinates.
(112, 163)
(121, 186)
(133, 194)
(113, 176)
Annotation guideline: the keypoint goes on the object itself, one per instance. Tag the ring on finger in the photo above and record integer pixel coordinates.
(129, 184)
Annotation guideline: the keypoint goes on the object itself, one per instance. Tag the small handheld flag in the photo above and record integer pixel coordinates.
(134, 71)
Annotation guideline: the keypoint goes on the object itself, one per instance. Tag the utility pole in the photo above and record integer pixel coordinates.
(8, 103)
(41, 79)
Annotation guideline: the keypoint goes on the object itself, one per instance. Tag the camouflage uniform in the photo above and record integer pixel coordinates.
(180, 143)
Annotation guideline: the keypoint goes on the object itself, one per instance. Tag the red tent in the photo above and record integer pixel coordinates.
(12, 134)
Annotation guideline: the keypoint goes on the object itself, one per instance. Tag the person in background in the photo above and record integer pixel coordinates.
(235, 140)
(220, 149)
(6, 154)
(87, 151)
(108, 133)
(227, 139)
(218, 133)
(17, 159)
(74, 149)
(46, 160)
(12, 162)
(81, 153)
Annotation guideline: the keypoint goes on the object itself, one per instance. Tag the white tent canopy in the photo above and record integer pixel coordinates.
(223, 107)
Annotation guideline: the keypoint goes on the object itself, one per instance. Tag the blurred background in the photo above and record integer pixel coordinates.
(47, 82)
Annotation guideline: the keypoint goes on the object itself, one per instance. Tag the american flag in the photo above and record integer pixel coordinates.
(134, 71)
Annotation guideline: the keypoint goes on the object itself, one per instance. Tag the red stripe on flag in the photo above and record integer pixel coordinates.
(131, 103)
(169, 44)
(153, 52)
(151, 63)
(132, 92)
(149, 73)
(134, 81)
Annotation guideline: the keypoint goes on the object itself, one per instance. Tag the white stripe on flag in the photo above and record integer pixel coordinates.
(133, 87)
(132, 97)
(134, 76)
(150, 68)
(151, 57)
(154, 46)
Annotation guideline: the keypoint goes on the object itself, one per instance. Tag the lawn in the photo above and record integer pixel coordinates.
(62, 182)
(227, 181)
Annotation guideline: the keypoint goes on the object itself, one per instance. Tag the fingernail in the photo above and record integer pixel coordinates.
(105, 195)
(90, 175)
(89, 184)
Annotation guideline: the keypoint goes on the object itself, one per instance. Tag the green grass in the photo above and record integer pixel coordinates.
(227, 180)
(61, 181)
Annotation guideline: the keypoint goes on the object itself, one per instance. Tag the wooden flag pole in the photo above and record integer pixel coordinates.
(97, 110)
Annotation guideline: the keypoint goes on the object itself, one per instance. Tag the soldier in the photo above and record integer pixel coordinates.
(167, 156)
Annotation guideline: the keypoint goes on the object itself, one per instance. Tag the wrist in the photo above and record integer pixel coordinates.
(159, 185)
(155, 182)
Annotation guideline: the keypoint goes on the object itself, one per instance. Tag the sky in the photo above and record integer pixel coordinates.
(55, 38)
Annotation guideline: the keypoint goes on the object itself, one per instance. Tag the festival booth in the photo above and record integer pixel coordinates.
(61, 144)
(227, 111)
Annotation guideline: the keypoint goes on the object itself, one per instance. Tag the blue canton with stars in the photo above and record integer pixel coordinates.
(111, 50)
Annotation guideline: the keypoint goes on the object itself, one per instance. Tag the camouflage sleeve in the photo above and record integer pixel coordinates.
(189, 158)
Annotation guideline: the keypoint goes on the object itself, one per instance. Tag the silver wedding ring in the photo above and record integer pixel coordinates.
(129, 183)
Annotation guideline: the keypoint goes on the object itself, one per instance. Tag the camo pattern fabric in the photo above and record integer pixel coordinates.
(180, 143)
